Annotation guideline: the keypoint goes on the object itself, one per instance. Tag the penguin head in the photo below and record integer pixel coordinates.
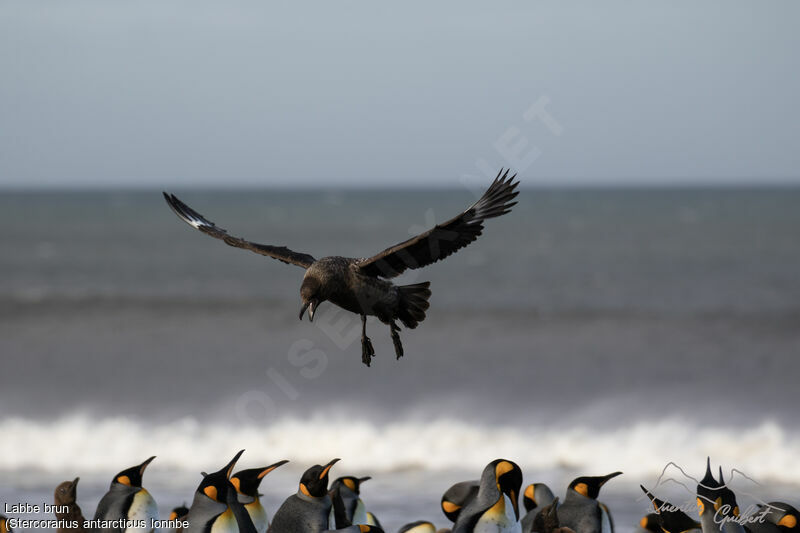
(313, 290)
(529, 497)
(457, 496)
(709, 497)
(507, 477)
(650, 523)
(536, 494)
(247, 481)
(314, 482)
(66, 492)
(670, 518)
(782, 515)
(216, 485)
(589, 486)
(179, 512)
(132, 477)
(420, 526)
(351, 482)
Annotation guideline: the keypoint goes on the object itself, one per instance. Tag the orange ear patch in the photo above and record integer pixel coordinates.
(211, 492)
(582, 488)
(789, 521)
(450, 507)
(125, 480)
(700, 506)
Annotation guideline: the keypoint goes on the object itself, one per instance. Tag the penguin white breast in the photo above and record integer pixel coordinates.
(258, 515)
(225, 523)
(605, 521)
(143, 508)
(360, 514)
(499, 518)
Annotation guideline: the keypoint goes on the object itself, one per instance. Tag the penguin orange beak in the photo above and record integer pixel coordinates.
(327, 468)
(229, 467)
(144, 465)
(270, 468)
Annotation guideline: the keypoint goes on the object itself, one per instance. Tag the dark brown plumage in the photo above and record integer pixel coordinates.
(361, 285)
(68, 511)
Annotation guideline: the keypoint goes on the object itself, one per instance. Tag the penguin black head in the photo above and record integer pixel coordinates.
(419, 525)
(508, 478)
(217, 484)
(529, 497)
(650, 523)
(782, 515)
(589, 486)
(66, 492)
(351, 482)
(727, 501)
(179, 512)
(132, 477)
(670, 518)
(457, 496)
(708, 493)
(314, 482)
(247, 481)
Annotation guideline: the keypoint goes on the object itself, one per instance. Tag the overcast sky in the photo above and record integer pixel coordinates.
(196, 93)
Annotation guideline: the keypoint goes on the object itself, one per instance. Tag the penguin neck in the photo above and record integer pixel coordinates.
(254, 502)
(246, 499)
(576, 497)
(319, 500)
(707, 523)
(119, 488)
(501, 513)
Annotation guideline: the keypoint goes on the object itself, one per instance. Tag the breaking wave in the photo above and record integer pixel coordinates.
(767, 451)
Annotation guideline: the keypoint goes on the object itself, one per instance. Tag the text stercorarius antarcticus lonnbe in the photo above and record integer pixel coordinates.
(361, 285)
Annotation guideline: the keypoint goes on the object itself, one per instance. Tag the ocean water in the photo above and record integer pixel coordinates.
(588, 331)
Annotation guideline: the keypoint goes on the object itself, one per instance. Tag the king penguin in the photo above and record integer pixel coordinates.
(782, 515)
(581, 511)
(246, 483)
(709, 500)
(535, 497)
(457, 496)
(178, 513)
(648, 524)
(309, 509)
(126, 499)
(215, 507)
(670, 518)
(420, 526)
(729, 509)
(347, 508)
(4, 527)
(495, 508)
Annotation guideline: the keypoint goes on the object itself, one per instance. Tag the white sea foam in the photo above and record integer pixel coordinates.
(765, 451)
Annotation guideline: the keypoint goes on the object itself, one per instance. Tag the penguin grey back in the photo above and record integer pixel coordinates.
(501, 479)
(581, 511)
